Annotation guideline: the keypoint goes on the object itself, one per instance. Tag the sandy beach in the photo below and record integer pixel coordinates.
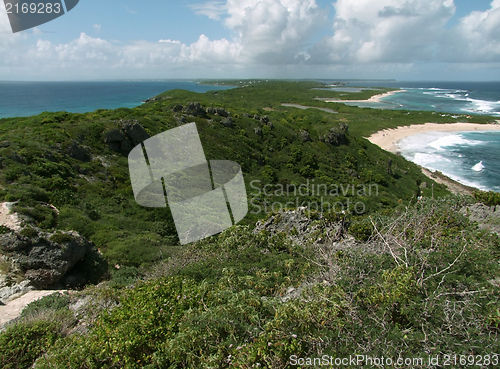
(388, 138)
(374, 98)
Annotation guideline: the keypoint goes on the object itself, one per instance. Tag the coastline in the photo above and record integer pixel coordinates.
(388, 140)
(375, 98)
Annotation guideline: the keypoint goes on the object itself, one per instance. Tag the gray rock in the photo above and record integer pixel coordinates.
(17, 289)
(78, 152)
(298, 226)
(487, 217)
(211, 111)
(127, 137)
(227, 122)
(258, 131)
(222, 112)
(256, 117)
(336, 136)
(134, 131)
(264, 119)
(177, 108)
(180, 120)
(194, 109)
(304, 136)
(46, 258)
(13, 241)
(423, 185)
(4, 144)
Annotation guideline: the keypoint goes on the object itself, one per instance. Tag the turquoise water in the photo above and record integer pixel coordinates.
(446, 97)
(468, 157)
(22, 99)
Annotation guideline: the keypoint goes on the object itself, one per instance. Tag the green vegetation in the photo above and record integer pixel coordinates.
(95, 198)
(489, 198)
(414, 278)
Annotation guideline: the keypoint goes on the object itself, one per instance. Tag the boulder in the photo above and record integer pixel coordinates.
(256, 117)
(134, 131)
(45, 258)
(304, 136)
(336, 136)
(177, 108)
(194, 109)
(78, 152)
(130, 134)
(258, 131)
(264, 119)
(211, 111)
(227, 122)
(222, 112)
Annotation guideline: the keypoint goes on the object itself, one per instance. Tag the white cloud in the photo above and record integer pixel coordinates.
(476, 37)
(212, 9)
(274, 37)
(274, 31)
(97, 28)
(368, 31)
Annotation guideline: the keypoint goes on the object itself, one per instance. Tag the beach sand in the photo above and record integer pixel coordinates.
(388, 140)
(374, 98)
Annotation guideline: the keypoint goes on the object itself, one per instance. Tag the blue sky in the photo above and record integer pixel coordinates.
(402, 39)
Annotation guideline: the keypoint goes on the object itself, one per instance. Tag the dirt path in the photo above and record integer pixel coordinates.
(14, 307)
(9, 220)
(309, 107)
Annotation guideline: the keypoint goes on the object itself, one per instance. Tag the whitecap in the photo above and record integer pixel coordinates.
(478, 167)
(452, 140)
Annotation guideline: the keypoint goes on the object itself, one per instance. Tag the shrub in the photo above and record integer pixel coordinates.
(61, 238)
(29, 232)
(56, 301)
(23, 343)
(489, 198)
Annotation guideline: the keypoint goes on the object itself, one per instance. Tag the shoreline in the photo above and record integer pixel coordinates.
(388, 140)
(375, 98)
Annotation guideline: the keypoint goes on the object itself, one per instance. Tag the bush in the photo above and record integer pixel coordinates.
(61, 238)
(55, 302)
(29, 232)
(490, 198)
(23, 343)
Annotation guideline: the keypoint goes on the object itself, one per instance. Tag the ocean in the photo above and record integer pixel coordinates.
(470, 158)
(23, 99)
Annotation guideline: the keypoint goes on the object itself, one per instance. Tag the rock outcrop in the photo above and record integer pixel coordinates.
(78, 152)
(48, 259)
(125, 138)
(304, 136)
(487, 217)
(227, 122)
(195, 109)
(336, 136)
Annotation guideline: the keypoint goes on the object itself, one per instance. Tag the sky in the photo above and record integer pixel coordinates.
(294, 39)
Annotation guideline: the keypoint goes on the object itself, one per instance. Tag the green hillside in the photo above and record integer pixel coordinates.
(380, 273)
(94, 196)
